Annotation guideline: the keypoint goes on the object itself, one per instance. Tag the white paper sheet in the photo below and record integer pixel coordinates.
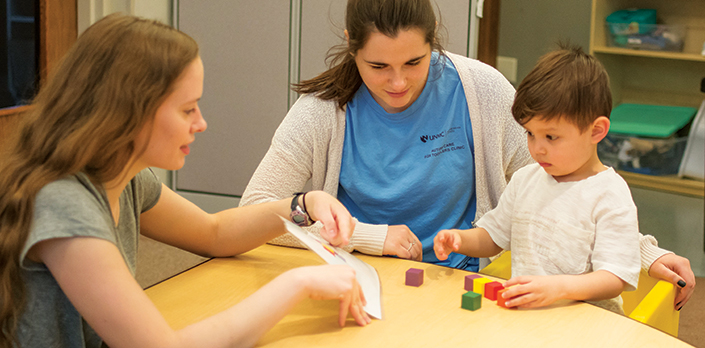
(366, 275)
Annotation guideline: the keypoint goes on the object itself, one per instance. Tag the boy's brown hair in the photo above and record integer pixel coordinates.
(567, 83)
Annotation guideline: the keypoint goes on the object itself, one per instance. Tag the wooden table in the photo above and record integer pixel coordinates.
(427, 316)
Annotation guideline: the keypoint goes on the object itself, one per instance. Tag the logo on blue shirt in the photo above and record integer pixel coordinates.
(425, 138)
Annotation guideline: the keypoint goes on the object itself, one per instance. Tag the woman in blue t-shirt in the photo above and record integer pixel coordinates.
(411, 138)
(76, 191)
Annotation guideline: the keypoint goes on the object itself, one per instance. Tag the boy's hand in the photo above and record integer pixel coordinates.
(533, 291)
(446, 242)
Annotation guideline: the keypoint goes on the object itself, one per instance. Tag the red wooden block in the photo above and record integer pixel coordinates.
(501, 301)
(469, 280)
(491, 290)
(414, 277)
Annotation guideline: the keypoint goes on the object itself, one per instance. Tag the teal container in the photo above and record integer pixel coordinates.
(631, 21)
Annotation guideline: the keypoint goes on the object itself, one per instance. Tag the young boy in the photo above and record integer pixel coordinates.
(569, 221)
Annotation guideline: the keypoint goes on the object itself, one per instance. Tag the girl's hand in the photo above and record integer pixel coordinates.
(446, 242)
(336, 282)
(338, 225)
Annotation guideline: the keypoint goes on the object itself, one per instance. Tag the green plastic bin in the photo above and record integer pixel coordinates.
(642, 138)
(657, 121)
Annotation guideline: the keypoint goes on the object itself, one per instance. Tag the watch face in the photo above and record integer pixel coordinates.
(300, 218)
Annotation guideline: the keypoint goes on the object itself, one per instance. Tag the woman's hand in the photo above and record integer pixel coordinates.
(336, 282)
(403, 243)
(446, 242)
(675, 269)
(338, 225)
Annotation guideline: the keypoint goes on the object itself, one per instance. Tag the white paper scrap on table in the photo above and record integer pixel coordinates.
(366, 275)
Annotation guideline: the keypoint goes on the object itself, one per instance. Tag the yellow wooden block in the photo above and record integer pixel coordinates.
(478, 285)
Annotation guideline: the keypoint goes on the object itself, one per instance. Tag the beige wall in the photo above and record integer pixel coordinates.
(529, 29)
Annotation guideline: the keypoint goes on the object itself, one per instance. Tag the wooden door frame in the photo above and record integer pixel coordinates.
(488, 33)
(57, 31)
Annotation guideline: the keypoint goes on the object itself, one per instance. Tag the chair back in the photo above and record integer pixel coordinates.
(652, 303)
(500, 267)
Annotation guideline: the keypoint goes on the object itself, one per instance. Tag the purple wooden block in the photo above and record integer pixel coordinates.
(414, 277)
(469, 280)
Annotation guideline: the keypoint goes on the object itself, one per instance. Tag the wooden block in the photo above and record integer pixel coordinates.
(501, 301)
(491, 289)
(414, 277)
(471, 301)
(469, 280)
(479, 285)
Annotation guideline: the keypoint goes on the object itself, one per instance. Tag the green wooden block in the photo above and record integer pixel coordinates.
(471, 301)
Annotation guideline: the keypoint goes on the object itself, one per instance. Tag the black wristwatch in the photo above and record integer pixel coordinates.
(299, 215)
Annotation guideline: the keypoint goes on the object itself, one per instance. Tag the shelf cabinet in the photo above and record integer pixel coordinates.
(655, 77)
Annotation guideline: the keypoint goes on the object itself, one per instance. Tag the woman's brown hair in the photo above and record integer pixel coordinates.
(84, 119)
(363, 17)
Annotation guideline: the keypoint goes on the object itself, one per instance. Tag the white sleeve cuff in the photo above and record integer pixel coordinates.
(650, 251)
(369, 238)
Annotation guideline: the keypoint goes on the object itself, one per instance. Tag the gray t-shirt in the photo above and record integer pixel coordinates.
(74, 207)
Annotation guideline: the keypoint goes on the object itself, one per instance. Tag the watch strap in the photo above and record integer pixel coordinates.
(298, 214)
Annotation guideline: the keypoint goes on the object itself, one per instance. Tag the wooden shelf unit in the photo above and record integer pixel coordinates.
(655, 77)
(670, 184)
(652, 54)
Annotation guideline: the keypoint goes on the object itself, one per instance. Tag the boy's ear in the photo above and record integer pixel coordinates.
(600, 127)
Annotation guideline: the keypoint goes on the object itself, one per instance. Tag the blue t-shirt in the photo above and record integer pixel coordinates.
(415, 167)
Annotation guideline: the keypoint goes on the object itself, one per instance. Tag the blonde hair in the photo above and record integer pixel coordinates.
(84, 119)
